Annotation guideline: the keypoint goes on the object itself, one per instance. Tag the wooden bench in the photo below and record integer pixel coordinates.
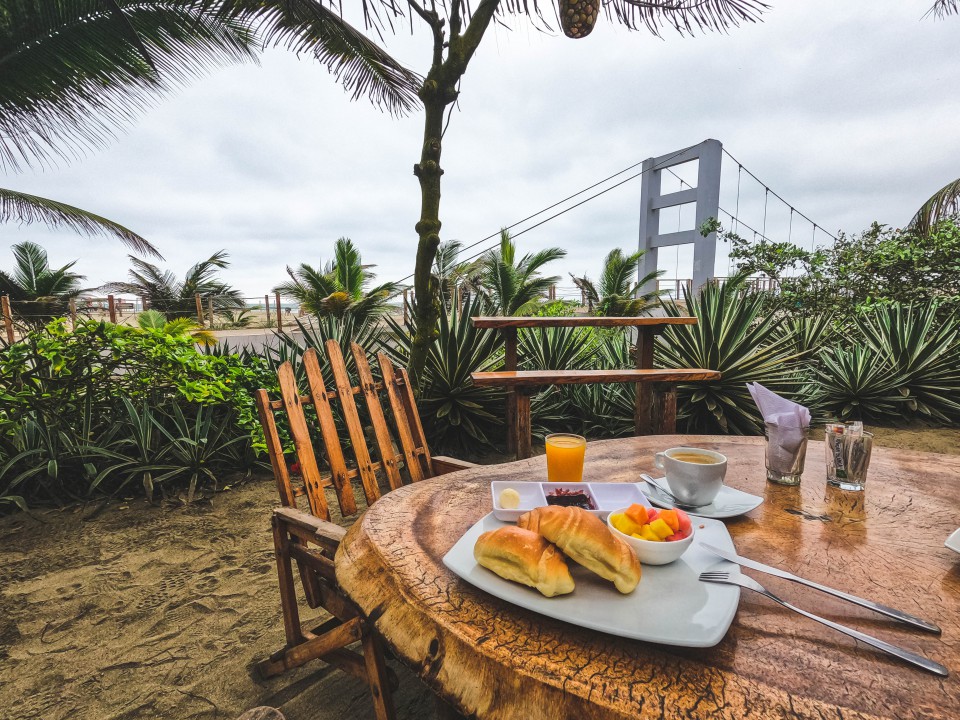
(656, 405)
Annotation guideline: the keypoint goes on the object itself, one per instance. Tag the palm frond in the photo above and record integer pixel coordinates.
(685, 16)
(25, 209)
(74, 71)
(358, 63)
(944, 8)
(943, 204)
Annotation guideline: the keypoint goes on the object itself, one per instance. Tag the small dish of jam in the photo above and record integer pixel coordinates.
(571, 498)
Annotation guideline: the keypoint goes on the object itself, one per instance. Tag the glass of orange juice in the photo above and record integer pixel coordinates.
(565, 457)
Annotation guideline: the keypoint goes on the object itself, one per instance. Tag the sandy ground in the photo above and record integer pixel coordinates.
(122, 610)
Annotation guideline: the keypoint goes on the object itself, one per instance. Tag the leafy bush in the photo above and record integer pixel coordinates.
(67, 400)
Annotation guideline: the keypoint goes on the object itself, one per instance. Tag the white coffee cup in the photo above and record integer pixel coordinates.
(694, 475)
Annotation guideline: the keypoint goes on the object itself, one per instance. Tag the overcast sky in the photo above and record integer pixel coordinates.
(849, 111)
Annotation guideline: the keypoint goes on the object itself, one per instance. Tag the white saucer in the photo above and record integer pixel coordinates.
(953, 542)
(729, 502)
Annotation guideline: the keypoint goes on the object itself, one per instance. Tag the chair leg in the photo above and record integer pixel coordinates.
(378, 677)
(288, 595)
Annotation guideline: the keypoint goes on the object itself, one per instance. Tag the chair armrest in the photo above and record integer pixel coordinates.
(443, 464)
(322, 529)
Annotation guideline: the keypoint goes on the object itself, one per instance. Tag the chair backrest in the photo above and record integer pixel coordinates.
(345, 460)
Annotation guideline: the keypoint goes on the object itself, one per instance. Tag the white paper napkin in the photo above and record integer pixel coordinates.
(789, 421)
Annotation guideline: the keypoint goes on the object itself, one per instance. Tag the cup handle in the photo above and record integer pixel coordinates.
(658, 460)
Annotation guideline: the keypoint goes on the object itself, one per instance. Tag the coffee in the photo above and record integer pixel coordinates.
(691, 457)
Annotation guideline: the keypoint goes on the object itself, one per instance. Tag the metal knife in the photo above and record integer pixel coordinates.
(870, 605)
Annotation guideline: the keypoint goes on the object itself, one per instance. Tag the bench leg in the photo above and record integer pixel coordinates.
(656, 409)
(523, 426)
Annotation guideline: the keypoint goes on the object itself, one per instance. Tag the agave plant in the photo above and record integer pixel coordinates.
(734, 335)
(922, 352)
(616, 294)
(857, 384)
(457, 415)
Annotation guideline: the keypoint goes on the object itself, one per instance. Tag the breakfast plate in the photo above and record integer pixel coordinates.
(729, 502)
(669, 606)
(953, 542)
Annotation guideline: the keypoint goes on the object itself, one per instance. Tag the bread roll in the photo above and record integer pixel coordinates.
(524, 557)
(585, 538)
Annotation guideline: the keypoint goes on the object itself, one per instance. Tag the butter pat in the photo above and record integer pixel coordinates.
(509, 499)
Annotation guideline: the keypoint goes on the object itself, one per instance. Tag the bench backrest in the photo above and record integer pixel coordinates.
(345, 460)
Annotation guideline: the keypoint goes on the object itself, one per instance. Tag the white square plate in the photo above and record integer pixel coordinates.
(669, 606)
(606, 496)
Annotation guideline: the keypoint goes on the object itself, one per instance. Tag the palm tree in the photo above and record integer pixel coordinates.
(516, 286)
(452, 273)
(341, 288)
(177, 298)
(942, 205)
(38, 292)
(617, 295)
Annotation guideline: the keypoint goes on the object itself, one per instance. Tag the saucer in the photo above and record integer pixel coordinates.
(953, 542)
(728, 503)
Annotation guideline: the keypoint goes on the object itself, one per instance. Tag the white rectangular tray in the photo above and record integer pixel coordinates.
(669, 606)
(606, 496)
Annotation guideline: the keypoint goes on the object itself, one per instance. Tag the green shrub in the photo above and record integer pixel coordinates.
(65, 415)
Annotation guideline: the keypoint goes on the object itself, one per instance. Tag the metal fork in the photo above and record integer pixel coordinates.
(750, 584)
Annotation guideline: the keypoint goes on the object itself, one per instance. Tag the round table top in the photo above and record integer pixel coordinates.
(491, 659)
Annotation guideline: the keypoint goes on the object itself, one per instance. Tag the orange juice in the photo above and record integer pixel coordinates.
(565, 457)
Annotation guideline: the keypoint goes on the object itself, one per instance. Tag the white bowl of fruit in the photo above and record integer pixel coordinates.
(657, 537)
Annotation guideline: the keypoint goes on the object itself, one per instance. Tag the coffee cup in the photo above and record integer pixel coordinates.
(694, 475)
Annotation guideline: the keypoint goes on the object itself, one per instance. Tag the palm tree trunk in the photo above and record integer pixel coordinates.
(438, 92)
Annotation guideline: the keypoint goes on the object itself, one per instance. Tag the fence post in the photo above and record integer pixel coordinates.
(266, 304)
(73, 313)
(7, 318)
(279, 315)
(199, 302)
(552, 293)
(112, 309)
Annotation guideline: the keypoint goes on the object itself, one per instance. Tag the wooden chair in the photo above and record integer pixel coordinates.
(309, 538)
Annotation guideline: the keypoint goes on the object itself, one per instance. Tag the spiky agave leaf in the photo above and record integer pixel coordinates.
(24, 209)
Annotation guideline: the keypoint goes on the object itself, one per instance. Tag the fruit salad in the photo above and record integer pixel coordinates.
(651, 524)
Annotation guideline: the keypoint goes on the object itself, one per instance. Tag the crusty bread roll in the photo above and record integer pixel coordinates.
(585, 538)
(524, 557)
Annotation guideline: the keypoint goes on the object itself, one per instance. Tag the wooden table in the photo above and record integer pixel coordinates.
(655, 408)
(493, 660)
